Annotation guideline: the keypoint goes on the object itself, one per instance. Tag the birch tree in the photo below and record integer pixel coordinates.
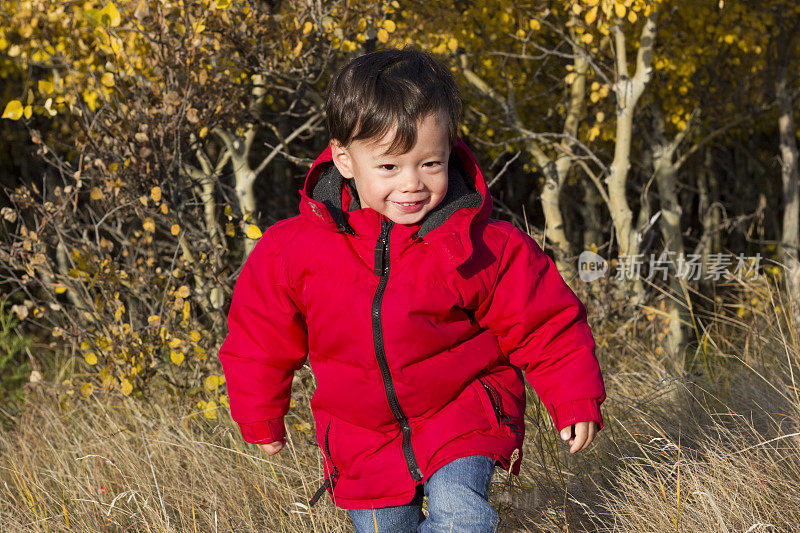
(511, 54)
(785, 57)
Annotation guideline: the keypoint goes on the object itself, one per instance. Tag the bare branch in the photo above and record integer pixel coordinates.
(308, 124)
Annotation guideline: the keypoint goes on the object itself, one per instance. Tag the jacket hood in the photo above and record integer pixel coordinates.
(328, 199)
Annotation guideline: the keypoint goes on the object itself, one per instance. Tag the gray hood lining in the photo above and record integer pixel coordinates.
(460, 193)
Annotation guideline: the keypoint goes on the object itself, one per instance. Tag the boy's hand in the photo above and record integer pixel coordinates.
(579, 435)
(273, 447)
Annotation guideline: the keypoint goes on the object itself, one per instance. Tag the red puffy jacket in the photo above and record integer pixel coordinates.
(418, 336)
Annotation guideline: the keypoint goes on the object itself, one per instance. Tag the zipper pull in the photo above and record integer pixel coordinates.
(379, 257)
(380, 249)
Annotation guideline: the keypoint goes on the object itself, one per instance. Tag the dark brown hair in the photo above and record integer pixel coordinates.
(376, 91)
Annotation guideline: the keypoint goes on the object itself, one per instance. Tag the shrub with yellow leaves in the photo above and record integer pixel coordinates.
(136, 246)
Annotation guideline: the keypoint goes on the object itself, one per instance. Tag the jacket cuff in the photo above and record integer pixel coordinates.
(264, 431)
(568, 413)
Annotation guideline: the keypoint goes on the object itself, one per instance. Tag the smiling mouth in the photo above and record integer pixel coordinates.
(408, 204)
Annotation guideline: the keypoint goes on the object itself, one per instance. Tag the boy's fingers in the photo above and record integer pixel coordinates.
(592, 429)
(272, 448)
(581, 434)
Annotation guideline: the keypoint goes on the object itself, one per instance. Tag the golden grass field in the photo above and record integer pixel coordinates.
(714, 450)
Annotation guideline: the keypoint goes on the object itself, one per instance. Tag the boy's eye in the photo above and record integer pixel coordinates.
(387, 167)
(433, 163)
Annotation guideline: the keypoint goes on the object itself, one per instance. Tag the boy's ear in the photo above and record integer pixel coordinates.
(341, 158)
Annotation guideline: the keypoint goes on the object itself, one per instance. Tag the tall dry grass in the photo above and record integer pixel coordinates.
(128, 466)
(714, 448)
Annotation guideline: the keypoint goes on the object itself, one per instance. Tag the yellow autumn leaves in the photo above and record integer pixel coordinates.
(123, 383)
(149, 224)
(387, 27)
(211, 384)
(610, 9)
(253, 232)
(108, 16)
(365, 28)
(15, 110)
(53, 96)
(210, 407)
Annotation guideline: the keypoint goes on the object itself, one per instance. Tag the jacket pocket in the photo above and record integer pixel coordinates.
(333, 477)
(497, 415)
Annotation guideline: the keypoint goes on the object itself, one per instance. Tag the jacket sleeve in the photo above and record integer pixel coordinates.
(541, 326)
(267, 342)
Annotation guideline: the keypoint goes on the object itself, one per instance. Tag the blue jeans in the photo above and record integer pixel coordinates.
(457, 502)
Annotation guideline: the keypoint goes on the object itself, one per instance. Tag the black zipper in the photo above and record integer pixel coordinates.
(497, 405)
(382, 270)
(333, 477)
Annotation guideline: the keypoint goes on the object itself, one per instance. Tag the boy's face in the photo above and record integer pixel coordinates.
(403, 187)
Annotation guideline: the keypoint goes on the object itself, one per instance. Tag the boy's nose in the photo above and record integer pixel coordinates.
(411, 182)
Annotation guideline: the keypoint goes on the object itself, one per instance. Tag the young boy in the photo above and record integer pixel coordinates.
(419, 314)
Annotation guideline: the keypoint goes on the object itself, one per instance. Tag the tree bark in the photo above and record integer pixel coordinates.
(556, 171)
(628, 90)
(790, 240)
(665, 169)
(708, 212)
(592, 219)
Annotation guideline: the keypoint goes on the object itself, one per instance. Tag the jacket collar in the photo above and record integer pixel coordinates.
(331, 201)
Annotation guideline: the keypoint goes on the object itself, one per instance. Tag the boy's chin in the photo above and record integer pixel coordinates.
(407, 220)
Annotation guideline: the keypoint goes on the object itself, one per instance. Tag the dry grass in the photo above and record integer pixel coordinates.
(714, 449)
(133, 467)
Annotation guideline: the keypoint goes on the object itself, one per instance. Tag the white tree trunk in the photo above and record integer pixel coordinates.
(665, 169)
(791, 199)
(556, 171)
(708, 211)
(628, 90)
